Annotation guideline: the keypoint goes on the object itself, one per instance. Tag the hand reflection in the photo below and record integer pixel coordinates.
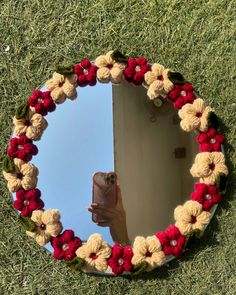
(115, 219)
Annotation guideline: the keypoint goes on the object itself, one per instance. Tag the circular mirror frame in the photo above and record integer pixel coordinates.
(191, 218)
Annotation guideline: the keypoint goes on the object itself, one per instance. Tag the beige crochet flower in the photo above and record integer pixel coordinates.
(62, 87)
(25, 176)
(109, 69)
(208, 166)
(148, 250)
(48, 225)
(190, 217)
(95, 252)
(194, 115)
(33, 125)
(158, 81)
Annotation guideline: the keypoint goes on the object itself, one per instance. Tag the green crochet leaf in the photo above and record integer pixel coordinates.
(76, 264)
(176, 78)
(65, 70)
(195, 234)
(118, 56)
(8, 165)
(213, 121)
(27, 223)
(221, 183)
(139, 268)
(22, 111)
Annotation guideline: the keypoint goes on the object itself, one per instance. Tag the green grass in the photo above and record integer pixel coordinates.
(196, 38)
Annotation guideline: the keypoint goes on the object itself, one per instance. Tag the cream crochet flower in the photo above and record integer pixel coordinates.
(158, 81)
(62, 87)
(208, 166)
(190, 217)
(148, 250)
(95, 252)
(194, 115)
(48, 225)
(109, 69)
(32, 125)
(25, 176)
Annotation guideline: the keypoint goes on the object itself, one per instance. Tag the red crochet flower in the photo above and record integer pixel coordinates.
(28, 201)
(172, 241)
(22, 148)
(182, 94)
(135, 70)
(120, 259)
(207, 195)
(86, 73)
(42, 102)
(65, 245)
(210, 141)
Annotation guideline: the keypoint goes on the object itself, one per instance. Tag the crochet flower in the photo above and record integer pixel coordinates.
(62, 87)
(27, 201)
(158, 81)
(194, 115)
(190, 217)
(182, 94)
(172, 241)
(209, 166)
(148, 250)
(22, 148)
(109, 69)
(136, 69)
(86, 73)
(41, 102)
(120, 259)
(95, 252)
(48, 225)
(32, 125)
(210, 141)
(207, 195)
(65, 245)
(25, 176)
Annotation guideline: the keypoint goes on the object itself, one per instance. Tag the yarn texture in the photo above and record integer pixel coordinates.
(182, 94)
(210, 141)
(95, 252)
(62, 87)
(190, 217)
(48, 225)
(208, 166)
(194, 116)
(136, 69)
(25, 176)
(41, 102)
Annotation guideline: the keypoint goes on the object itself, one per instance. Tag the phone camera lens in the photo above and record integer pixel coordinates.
(112, 176)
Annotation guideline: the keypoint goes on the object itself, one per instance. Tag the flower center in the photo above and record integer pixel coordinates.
(43, 226)
(26, 202)
(27, 123)
(120, 261)
(183, 93)
(40, 100)
(137, 69)
(208, 196)
(20, 175)
(20, 147)
(93, 256)
(193, 219)
(212, 166)
(212, 140)
(173, 243)
(160, 77)
(148, 254)
(65, 247)
(198, 114)
(110, 66)
(60, 84)
(85, 72)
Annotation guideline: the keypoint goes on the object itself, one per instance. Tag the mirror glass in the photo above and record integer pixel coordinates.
(115, 128)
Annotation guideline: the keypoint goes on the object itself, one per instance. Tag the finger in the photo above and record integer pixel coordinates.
(103, 224)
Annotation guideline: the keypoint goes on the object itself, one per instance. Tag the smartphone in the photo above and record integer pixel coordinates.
(104, 192)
